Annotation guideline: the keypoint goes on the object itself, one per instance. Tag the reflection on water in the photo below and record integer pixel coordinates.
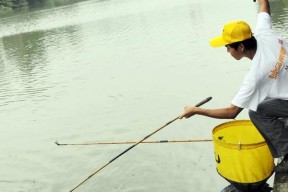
(24, 72)
(279, 10)
(114, 70)
(25, 56)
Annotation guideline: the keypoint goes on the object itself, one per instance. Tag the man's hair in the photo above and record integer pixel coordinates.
(249, 44)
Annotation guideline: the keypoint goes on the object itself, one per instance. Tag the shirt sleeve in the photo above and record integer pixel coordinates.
(263, 23)
(247, 94)
(254, 88)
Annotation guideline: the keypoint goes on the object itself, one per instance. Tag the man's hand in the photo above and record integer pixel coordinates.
(188, 112)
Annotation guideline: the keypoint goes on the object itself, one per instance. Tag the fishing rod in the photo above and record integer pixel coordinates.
(132, 146)
(132, 142)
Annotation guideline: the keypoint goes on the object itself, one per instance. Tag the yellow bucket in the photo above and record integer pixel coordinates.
(241, 154)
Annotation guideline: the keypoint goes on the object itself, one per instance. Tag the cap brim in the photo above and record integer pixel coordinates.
(218, 41)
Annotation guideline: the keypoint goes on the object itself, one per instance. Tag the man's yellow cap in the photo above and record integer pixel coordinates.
(233, 32)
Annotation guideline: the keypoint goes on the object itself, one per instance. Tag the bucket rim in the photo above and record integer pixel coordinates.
(239, 145)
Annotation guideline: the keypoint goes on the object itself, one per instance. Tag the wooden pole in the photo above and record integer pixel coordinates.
(133, 142)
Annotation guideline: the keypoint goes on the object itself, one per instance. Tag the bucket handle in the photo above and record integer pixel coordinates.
(239, 145)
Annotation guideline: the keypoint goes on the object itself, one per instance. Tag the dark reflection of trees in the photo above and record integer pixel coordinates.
(53, 3)
(26, 49)
(24, 61)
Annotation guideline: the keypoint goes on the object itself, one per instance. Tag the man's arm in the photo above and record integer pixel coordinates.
(223, 113)
(264, 6)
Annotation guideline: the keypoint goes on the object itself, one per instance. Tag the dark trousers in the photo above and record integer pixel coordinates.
(267, 120)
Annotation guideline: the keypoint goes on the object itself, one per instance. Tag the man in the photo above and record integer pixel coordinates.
(265, 88)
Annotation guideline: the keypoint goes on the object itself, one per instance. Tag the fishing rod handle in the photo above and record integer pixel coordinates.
(203, 102)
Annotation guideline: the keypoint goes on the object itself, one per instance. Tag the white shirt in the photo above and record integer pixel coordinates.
(268, 75)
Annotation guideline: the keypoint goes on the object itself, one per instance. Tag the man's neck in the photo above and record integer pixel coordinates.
(251, 53)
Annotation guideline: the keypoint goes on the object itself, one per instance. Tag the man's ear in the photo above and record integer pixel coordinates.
(241, 47)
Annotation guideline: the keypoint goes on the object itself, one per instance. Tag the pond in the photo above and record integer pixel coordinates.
(116, 70)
